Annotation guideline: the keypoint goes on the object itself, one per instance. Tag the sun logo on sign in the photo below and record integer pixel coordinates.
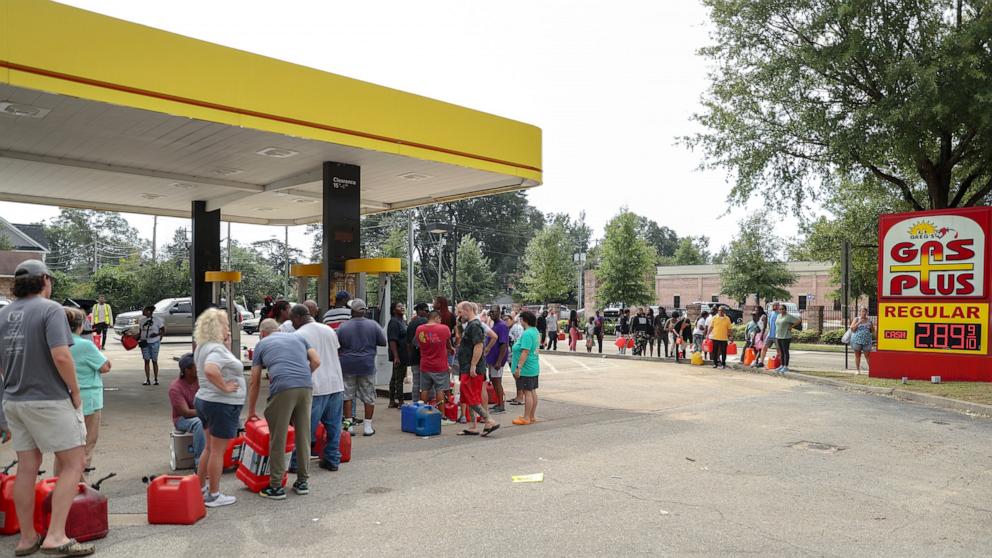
(923, 228)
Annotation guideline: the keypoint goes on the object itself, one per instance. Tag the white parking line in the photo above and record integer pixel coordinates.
(579, 362)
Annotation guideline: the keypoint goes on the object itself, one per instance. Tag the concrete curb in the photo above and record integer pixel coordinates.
(906, 395)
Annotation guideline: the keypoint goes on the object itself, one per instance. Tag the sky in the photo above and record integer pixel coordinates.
(613, 85)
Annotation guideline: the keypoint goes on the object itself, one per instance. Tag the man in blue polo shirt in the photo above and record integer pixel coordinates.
(291, 361)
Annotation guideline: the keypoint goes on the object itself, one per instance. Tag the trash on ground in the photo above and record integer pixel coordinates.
(665, 512)
(690, 459)
(536, 477)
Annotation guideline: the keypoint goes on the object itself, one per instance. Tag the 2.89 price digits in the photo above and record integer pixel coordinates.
(958, 337)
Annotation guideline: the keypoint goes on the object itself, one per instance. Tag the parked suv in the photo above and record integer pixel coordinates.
(736, 316)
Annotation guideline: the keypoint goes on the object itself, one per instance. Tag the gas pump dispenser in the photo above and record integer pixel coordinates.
(223, 286)
(384, 268)
(303, 273)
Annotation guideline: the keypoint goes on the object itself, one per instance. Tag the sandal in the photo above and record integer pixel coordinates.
(468, 433)
(520, 421)
(31, 549)
(486, 432)
(515, 402)
(71, 548)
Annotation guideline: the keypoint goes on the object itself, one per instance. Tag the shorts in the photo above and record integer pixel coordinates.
(150, 351)
(527, 383)
(49, 426)
(471, 389)
(415, 371)
(361, 386)
(494, 372)
(222, 419)
(859, 348)
(437, 381)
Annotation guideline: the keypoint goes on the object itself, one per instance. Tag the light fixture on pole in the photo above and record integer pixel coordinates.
(440, 229)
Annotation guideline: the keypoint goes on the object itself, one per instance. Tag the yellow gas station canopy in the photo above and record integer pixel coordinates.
(101, 113)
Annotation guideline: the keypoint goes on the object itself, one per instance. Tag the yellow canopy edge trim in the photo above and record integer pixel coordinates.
(305, 270)
(222, 276)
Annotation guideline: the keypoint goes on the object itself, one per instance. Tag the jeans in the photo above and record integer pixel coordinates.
(193, 425)
(783, 350)
(326, 410)
(719, 352)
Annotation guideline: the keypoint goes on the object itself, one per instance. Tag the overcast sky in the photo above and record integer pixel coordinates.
(612, 85)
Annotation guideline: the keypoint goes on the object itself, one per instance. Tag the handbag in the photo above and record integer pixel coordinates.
(846, 338)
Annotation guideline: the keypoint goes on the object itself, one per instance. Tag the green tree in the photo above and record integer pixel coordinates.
(549, 274)
(258, 279)
(626, 265)
(5, 243)
(751, 266)
(177, 250)
(856, 209)
(893, 94)
(691, 251)
(664, 239)
(475, 274)
(81, 240)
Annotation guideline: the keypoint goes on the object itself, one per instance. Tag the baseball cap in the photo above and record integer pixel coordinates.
(342, 295)
(31, 268)
(358, 304)
(185, 362)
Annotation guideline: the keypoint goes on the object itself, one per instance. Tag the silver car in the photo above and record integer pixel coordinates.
(176, 313)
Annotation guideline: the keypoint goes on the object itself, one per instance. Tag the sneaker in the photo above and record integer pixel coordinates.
(498, 409)
(446, 422)
(357, 420)
(218, 500)
(278, 493)
(462, 420)
(301, 487)
(327, 465)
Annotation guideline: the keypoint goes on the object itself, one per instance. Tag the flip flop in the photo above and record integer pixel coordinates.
(489, 431)
(521, 421)
(71, 548)
(31, 549)
(468, 433)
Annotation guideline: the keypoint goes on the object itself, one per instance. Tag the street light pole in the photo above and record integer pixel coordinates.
(580, 260)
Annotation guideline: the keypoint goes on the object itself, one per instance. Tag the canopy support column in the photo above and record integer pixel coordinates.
(204, 254)
(341, 224)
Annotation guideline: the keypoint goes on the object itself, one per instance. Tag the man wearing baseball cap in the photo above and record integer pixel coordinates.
(41, 404)
(182, 396)
(360, 338)
(340, 313)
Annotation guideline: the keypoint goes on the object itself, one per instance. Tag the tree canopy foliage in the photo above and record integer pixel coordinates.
(890, 93)
(752, 267)
(549, 273)
(626, 268)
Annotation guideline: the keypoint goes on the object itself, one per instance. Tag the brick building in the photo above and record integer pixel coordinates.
(679, 285)
(28, 242)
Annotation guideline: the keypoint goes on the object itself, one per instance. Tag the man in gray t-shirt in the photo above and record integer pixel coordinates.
(360, 339)
(290, 361)
(42, 411)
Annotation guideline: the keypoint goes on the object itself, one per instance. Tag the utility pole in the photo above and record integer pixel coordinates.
(95, 258)
(155, 238)
(409, 264)
(845, 285)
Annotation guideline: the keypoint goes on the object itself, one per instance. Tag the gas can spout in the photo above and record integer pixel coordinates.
(9, 467)
(96, 485)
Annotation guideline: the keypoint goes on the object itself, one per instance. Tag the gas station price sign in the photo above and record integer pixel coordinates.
(933, 327)
(934, 295)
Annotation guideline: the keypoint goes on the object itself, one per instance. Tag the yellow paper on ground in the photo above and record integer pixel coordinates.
(536, 477)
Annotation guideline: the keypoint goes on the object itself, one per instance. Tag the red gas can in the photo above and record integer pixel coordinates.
(175, 500)
(450, 410)
(87, 519)
(345, 446)
(8, 515)
(42, 489)
(254, 467)
(232, 455)
(491, 392)
(774, 362)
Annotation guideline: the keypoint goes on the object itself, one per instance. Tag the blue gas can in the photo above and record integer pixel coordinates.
(408, 416)
(428, 421)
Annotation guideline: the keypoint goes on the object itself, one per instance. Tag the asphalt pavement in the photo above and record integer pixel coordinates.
(638, 457)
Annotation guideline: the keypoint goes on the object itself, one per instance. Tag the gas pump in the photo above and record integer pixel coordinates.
(223, 285)
(384, 268)
(303, 273)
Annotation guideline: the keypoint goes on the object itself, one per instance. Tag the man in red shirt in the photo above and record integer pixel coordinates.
(434, 340)
(182, 392)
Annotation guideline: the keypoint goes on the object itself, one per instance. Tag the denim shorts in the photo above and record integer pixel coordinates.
(222, 419)
(150, 351)
(859, 348)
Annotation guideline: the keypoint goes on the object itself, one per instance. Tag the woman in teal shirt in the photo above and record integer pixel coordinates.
(526, 367)
(90, 364)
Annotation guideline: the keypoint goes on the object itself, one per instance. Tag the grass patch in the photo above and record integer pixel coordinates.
(818, 347)
(974, 392)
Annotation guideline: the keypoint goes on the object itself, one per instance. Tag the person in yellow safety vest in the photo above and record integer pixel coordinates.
(103, 319)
